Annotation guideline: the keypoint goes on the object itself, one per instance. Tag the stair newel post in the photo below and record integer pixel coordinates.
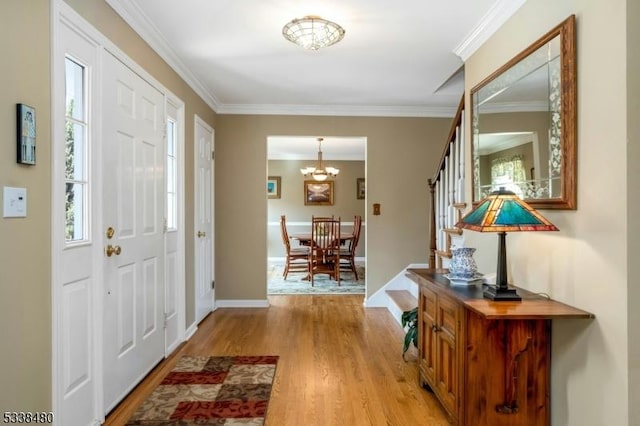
(432, 225)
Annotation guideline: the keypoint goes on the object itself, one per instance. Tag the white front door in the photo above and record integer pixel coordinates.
(132, 206)
(204, 144)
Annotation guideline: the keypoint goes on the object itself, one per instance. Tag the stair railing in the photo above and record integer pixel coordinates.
(447, 193)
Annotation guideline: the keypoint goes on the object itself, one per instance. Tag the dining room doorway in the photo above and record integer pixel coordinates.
(344, 197)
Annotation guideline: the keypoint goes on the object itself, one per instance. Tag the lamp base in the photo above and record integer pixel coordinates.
(501, 294)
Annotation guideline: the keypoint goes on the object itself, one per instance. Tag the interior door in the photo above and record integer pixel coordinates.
(204, 145)
(133, 215)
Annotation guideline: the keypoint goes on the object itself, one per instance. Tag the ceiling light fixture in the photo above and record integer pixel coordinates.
(319, 173)
(313, 32)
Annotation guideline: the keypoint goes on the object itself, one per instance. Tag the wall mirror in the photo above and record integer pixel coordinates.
(523, 119)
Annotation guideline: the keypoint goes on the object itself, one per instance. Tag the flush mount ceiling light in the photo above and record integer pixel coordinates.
(313, 32)
(319, 172)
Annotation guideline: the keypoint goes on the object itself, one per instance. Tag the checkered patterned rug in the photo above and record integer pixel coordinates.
(201, 390)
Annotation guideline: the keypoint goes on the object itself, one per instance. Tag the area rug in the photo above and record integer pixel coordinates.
(296, 283)
(217, 390)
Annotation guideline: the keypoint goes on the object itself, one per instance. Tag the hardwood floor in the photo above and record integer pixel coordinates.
(340, 364)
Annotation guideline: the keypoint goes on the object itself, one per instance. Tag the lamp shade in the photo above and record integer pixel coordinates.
(503, 211)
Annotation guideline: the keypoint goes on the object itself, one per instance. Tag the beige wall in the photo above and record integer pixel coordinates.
(25, 261)
(291, 204)
(402, 154)
(633, 205)
(25, 248)
(587, 263)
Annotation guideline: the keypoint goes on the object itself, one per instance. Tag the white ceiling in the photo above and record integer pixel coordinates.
(306, 148)
(396, 59)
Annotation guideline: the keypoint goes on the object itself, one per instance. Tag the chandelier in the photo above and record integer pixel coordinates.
(313, 32)
(320, 173)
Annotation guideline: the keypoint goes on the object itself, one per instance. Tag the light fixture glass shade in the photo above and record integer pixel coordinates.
(319, 173)
(313, 32)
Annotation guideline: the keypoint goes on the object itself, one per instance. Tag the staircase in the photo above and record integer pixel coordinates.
(447, 205)
(401, 301)
(450, 235)
(400, 294)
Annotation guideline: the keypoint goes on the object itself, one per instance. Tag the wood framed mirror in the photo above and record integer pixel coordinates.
(523, 122)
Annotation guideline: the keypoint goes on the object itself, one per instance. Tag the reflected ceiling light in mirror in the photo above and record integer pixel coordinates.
(320, 172)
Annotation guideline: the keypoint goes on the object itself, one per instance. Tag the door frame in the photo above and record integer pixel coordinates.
(63, 15)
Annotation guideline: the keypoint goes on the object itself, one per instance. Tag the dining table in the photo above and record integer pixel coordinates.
(304, 238)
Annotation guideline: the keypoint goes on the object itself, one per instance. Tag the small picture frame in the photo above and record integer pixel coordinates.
(26, 131)
(273, 186)
(361, 189)
(318, 193)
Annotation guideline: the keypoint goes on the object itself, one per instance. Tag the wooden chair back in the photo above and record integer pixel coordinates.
(325, 247)
(357, 228)
(284, 233)
(297, 258)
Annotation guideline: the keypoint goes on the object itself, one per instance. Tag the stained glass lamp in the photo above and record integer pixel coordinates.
(502, 211)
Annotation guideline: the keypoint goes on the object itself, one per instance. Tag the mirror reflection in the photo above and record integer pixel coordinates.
(517, 122)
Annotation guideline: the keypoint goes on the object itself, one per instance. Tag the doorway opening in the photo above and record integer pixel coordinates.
(344, 197)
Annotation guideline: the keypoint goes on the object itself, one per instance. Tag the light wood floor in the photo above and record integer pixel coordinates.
(340, 364)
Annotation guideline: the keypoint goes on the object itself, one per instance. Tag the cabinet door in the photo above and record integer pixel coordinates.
(427, 332)
(447, 371)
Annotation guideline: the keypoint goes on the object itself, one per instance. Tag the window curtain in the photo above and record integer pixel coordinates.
(508, 172)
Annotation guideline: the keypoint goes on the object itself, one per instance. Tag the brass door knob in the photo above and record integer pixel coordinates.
(201, 234)
(111, 250)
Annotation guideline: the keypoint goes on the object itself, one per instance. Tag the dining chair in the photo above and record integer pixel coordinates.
(348, 254)
(297, 258)
(324, 257)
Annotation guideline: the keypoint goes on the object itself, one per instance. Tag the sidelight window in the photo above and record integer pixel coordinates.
(172, 180)
(76, 155)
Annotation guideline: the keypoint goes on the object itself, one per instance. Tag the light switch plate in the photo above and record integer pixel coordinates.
(14, 202)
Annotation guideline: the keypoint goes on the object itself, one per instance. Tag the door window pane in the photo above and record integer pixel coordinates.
(76, 158)
(172, 180)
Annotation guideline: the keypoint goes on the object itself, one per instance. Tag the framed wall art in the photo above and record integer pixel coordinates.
(273, 186)
(361, 189)
(26, 131)
(318, 193)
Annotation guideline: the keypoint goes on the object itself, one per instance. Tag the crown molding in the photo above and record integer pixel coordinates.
(137, 20)
(339, 110)
(488, 24)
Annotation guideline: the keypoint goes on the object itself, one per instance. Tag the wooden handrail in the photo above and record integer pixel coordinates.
(452, 134)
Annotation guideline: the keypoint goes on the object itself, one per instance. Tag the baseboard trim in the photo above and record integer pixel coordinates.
(188, 334)
(238, 303)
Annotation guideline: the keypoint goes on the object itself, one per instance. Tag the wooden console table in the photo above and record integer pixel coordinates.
(487, 362)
